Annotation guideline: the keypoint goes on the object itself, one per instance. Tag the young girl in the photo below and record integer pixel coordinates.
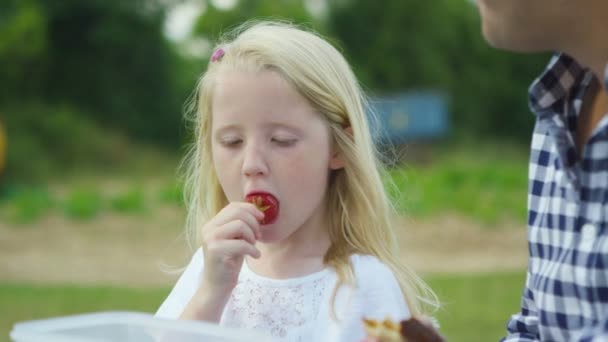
(286, 199)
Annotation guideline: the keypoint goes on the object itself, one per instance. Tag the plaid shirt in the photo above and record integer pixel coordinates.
(566, 294)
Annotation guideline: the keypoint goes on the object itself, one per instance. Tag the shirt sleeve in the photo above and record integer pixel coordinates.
(523, 327)
(377, 296)
(184, 289)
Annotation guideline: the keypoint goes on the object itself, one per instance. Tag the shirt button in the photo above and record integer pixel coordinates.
(589, 232)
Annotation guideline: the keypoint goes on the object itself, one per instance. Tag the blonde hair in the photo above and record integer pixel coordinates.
(360, 212)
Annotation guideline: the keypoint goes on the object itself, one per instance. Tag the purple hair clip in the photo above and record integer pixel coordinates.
(217, 55)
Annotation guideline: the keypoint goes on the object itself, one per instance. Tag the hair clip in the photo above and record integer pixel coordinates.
(217, 55)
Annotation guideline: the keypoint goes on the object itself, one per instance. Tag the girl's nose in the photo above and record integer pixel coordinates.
(254, 161)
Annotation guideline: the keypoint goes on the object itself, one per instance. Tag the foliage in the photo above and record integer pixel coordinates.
(83, 203)
(130, 201)
(29, 205)
(215, 21)
(44, 140)
(468, 180)
(88, 72)
(23, 47)
(172, 193)
(113, 60)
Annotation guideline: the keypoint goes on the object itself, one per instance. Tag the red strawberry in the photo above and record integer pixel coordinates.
(267, 204)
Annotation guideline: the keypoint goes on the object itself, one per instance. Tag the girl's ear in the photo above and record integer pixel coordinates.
(337, 159)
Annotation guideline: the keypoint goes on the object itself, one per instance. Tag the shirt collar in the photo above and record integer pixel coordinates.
(552, 87)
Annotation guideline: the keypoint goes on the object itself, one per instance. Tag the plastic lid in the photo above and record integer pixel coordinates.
(125, 326)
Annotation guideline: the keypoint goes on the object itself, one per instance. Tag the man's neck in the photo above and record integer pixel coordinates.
(595, 107)
(588, 44)
(596, 62)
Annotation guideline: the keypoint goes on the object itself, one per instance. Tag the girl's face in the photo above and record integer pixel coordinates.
(266, 137)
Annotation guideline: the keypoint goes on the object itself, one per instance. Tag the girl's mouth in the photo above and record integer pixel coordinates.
(266, 203)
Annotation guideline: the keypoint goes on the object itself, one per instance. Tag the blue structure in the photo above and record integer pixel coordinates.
(411, 116)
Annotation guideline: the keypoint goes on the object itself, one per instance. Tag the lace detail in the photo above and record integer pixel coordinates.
(286, 310)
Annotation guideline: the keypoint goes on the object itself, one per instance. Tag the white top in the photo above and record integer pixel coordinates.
(299, 309)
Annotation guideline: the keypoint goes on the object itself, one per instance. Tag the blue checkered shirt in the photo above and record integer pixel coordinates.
(566, 293)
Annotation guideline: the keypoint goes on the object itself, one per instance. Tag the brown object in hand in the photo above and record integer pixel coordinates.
(415, 331)
(385, 331)
(411, 330)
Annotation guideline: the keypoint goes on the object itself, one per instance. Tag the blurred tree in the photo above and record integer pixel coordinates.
(398, 45)
(112, 59)
(23, 49)
(216, 21)
(2, 149)
(109, 59)
(72, 67)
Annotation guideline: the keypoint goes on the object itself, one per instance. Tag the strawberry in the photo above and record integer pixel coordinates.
(267, 204)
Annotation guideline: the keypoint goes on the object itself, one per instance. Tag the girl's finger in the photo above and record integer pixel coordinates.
(253, 218)
(236, 229)
(247, 212)
(237, 248)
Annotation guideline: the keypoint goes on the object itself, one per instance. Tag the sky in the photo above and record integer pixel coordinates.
(182, 17)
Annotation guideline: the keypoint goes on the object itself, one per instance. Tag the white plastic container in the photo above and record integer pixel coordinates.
(124, 326)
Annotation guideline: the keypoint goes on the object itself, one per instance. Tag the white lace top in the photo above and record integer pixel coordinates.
(298, 309)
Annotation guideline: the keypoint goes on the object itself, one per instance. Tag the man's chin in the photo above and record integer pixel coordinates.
(502, 41)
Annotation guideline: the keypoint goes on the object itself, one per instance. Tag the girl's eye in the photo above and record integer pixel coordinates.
(231, 142)
(284, 142)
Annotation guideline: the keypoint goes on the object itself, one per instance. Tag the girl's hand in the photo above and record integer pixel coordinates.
(227, 238)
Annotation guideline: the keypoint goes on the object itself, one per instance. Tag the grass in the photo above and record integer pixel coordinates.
(488, 185)
(131, 201)
(29, 205)
(22, 302)
(476, 306)
(83, 203)
(172, 193)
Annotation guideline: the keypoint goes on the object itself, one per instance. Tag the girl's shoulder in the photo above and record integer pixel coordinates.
(370, 271)
(377, 291)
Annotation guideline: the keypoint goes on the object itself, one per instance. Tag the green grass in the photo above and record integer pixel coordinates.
(22, 302)
(83, 203)
(489, 186)
(130, 201)
(29, 205)
(476, 307)
(172, 193)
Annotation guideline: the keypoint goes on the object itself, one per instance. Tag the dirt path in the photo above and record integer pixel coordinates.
(452, 244)
(131, 251)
